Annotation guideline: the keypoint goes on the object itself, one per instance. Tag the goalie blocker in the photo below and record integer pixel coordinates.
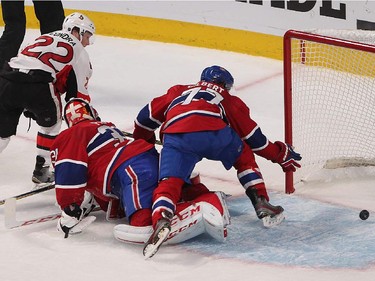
(206, 214)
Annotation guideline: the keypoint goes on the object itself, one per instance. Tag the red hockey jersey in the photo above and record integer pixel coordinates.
(86, 155)
(202, 107)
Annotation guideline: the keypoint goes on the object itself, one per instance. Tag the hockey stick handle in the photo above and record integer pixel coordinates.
(130, 135)
(30, 193)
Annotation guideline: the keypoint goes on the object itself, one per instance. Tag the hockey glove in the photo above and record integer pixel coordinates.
(287, 157)
(70, 217)
(73, 220)
(88, 204)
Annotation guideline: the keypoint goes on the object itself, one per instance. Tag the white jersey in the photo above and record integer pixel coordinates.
(54, 52)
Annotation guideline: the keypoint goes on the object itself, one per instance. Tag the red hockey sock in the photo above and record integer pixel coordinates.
(141, 218)
(165, 197)
(44, 141)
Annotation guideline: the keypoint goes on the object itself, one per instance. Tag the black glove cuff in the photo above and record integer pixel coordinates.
(73, 210)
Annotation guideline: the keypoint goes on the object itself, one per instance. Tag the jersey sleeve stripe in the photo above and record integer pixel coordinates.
(76, 186)
(186, 114)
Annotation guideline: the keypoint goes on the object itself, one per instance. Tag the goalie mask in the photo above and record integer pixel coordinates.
(78, 110)
(218, 75)
(80, 21)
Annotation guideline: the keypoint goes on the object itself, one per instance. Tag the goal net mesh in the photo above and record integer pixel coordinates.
(332, 91)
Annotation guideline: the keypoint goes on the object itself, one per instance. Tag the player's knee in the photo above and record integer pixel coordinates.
(52, 130)
(46, 119)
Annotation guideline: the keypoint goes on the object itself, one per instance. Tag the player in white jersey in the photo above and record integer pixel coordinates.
(50, 15)
(33, 82)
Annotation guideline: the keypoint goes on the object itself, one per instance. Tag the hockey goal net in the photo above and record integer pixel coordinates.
(329, 87)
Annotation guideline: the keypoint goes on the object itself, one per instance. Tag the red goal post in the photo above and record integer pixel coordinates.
(329, 100)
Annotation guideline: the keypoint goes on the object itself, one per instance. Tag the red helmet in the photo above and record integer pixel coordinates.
(77, 110)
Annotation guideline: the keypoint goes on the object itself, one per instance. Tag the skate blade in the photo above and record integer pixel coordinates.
(270, 222)
(152, 247)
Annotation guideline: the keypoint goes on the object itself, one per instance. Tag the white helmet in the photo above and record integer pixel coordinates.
(80, 21)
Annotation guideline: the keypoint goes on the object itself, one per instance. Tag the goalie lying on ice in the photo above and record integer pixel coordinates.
(95, 165)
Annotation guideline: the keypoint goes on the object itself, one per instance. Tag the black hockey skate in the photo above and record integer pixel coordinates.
(270, 214)
(160, 234)
(42, 173)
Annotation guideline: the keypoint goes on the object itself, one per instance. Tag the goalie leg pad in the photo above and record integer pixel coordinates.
(132, 234)
(187, 224)
(191, 220)
(226, 216)
(214, 223)
(215, 213)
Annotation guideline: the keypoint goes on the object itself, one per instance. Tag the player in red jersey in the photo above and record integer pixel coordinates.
(204, 120)
(33, 82)
(94, 157)
(96, 165)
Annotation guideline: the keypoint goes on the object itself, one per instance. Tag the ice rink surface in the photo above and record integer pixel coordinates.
(322, 237)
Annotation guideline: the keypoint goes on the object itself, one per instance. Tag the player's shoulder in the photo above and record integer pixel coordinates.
(80, 129)
(235, 103)
(179, 88)
(236, 99)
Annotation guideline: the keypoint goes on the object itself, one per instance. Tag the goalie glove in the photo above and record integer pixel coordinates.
(88, 204)
(73, 220)
(287, 157)
(70, 217)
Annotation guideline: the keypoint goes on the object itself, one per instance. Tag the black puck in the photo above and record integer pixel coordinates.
(364, 214)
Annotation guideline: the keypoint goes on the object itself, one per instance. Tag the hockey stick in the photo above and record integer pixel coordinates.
(10, 215)
(10, 219)
(30, 193)
(130, 135)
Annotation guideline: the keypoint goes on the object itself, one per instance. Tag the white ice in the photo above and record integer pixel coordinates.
(321, 239)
